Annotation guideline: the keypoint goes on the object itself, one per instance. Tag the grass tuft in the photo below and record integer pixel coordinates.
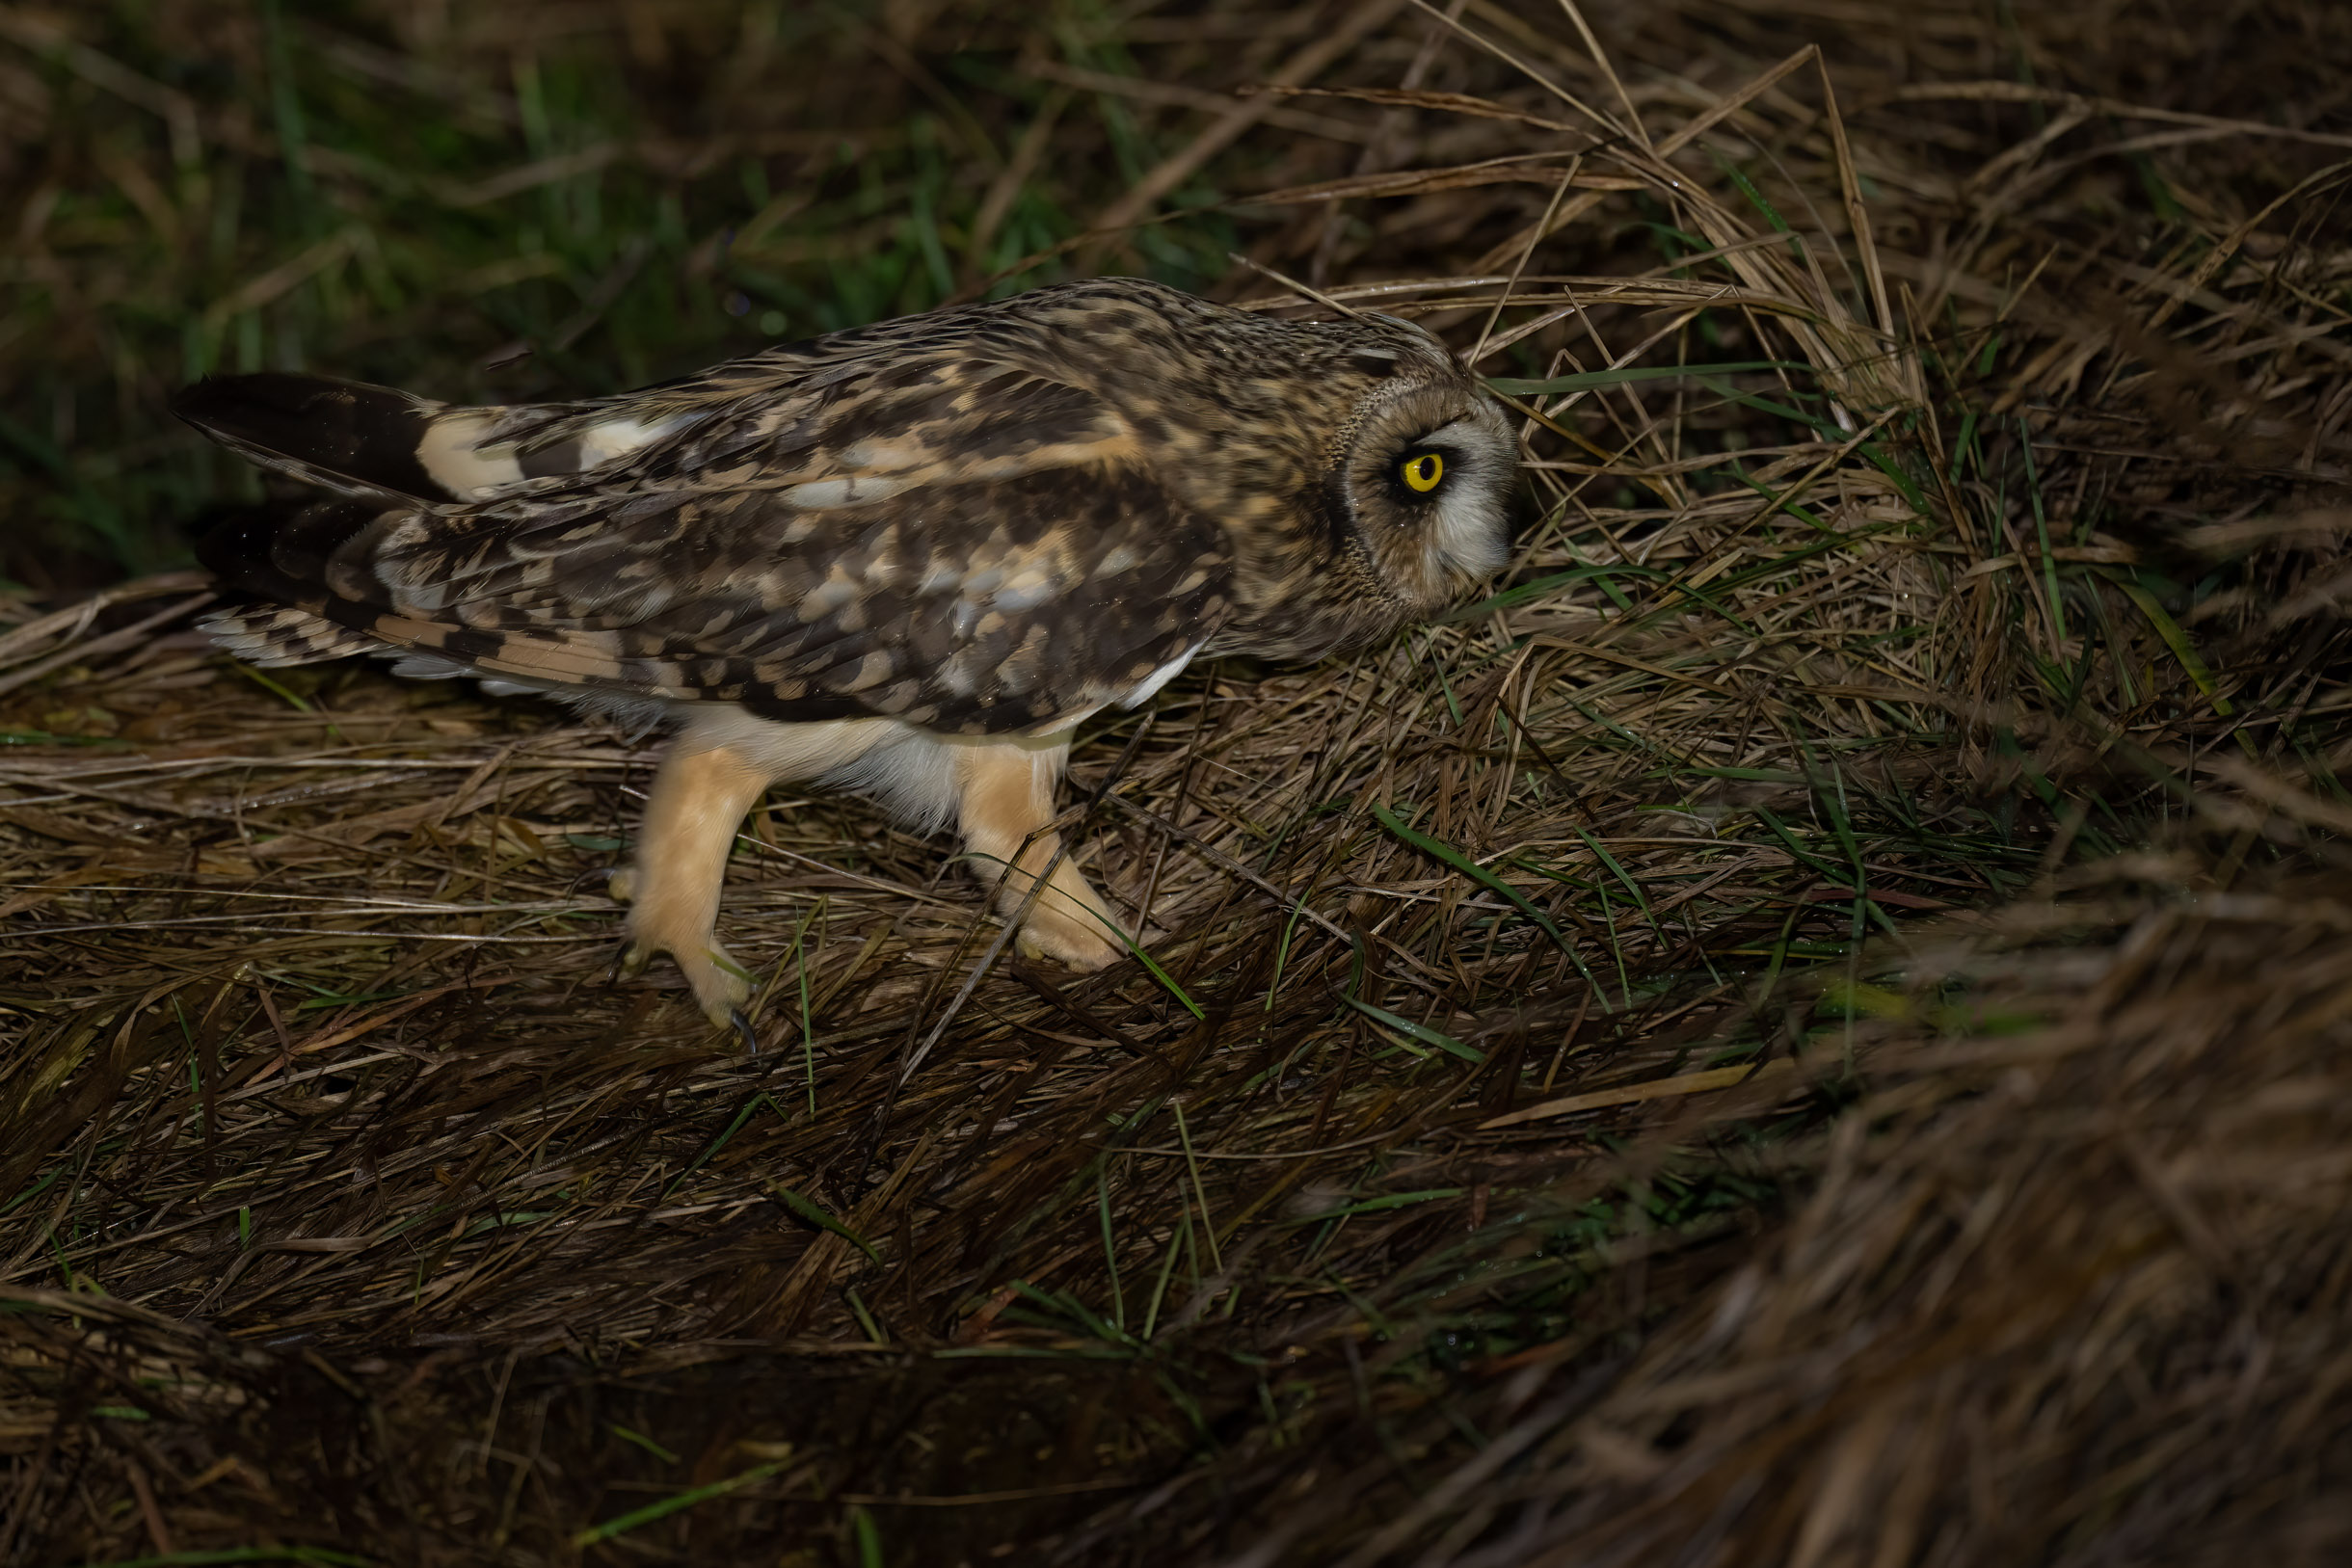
(1805, 1012)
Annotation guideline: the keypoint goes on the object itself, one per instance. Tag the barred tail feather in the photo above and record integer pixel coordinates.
(271, 636)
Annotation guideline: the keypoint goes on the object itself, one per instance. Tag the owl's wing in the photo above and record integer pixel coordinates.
(963, 544)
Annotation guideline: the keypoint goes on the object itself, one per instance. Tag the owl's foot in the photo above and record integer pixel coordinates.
(1086, 938)
(1005, 800)
(721, 985)
(699, 798)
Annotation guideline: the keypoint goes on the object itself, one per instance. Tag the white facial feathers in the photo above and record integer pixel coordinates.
(1427, 477)
(1469, 529)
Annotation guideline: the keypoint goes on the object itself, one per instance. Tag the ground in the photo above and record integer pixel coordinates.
(1806, 1025)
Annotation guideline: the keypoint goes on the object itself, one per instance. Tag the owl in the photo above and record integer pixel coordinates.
(907, 559)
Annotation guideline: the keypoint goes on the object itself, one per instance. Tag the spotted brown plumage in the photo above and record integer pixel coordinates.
(907, 558)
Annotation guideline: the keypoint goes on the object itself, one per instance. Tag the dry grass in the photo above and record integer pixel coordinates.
(1808, 1027)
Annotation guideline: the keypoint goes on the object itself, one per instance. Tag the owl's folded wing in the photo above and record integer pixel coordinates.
(971, 549)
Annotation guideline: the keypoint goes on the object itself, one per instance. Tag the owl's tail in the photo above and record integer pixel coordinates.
(272, 636)
(345, 436)
(278, 552)
(385, 455)
(376, 441)
(309, 600)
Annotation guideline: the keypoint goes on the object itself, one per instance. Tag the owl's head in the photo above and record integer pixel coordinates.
(1362, 476)
(1422, 474)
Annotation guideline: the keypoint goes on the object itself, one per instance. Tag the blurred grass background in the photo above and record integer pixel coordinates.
(498, 202)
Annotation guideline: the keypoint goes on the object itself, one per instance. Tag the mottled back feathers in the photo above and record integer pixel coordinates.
(980, 520)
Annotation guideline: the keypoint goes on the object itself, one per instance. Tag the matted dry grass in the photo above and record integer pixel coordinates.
(1809, 1028)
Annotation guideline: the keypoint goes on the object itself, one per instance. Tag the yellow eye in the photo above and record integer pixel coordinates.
(1424, 471)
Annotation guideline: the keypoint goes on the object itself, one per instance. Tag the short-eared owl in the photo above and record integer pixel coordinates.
(909, 558)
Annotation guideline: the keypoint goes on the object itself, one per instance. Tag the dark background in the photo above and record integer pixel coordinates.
(1949, 720)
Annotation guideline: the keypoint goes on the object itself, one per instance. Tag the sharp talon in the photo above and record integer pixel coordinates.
(743, 1029)
(629, 962)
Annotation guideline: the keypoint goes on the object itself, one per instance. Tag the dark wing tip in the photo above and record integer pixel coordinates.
(236, 545)
(336, 433)
(271, 400)
(280, 549)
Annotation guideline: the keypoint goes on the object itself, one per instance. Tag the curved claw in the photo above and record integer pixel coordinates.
(743, 1030)
(1060, 939)
(629, 961)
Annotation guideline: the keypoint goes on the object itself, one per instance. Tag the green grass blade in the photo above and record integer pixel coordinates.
(712, 1148)
(1487, 879)
(1069, 1305)
(1781, 831)
(627, 1435)
(1782, 501)
(2176, 638)
(2042, 533)
(869, 1538)
(807, 1208)
(1476, 872)
(1164, 979)
(674, 1503)
(1585, 379)
(1419, 1031)
(1522, 593)
(1641, 900)
(1110, 1249)
(1895, 475)
(1376, 1206)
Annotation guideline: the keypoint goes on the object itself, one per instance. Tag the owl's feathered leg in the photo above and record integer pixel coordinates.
(700, 797)
(1005, 794)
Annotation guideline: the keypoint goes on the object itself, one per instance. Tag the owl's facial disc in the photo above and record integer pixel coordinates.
(1429, 479)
